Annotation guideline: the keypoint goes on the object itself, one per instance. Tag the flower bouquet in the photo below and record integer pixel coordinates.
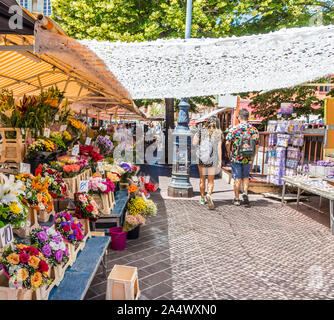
(90, 152)
(102, 191)
(25, 268)
(106, 146)
(135, 217)
(69, 227)
(151, 209)
(72, 231)
(98, 185)
(57, 187)
(51, 244)
(12, 208)
(86, 207)
(129, 171)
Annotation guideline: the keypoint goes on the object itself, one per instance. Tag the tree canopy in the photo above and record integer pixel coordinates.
(140, 20)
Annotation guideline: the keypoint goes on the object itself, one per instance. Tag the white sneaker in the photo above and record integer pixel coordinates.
(202, 201)
(210, 202)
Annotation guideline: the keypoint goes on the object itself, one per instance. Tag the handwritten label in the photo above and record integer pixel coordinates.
(22, 131)
(57, 117)
(100, 167)
(47, 132)
(88, 141)
(83, 186)
(25, 167)
(75, 150)
(6, 235)
(63, 127)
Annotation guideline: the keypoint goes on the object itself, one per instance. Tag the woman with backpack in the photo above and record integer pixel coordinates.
(209, 152)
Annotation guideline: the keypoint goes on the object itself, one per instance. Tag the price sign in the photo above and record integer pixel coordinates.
(6, 235)
(22, 131)
(100, 167)
(75, 150)
(63, 127)
(25, 167)
(83, 186)
(88, 141)
(47, 132)
(57, 117)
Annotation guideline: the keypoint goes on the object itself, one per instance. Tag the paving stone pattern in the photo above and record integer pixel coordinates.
(267, 251)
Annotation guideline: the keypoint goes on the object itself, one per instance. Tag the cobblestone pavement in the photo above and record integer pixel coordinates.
(267, 251)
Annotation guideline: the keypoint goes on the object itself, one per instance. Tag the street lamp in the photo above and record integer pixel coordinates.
(180, 185)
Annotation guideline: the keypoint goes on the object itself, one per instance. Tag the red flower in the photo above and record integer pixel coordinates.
(79, 236)
(90, 208)
(24, 258)
(66, 228)
(74, 226)
(149, 186)
(43, 266)
(39, 170)
(32, 251)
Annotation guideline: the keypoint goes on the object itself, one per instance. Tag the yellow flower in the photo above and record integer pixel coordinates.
(13, 258)
(22, 246)
(22, 274)
(33, 262)
(36, 280)
(14, 208)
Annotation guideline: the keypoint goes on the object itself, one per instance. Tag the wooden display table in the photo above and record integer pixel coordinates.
(78, 278)
(323, 194)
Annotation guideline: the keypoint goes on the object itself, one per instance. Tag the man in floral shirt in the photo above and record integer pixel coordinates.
(241, 165)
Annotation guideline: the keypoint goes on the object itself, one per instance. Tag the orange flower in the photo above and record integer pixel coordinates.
(36, 280)
(22, 274)
(21, 246)
(33, 262)
(132, 188)
(13, 258)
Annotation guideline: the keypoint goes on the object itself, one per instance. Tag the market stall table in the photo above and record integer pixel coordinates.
(302, 186)
(78, 278)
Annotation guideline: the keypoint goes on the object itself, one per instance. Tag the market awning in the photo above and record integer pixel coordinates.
(29, 64)
(177, 68)
(213, 113)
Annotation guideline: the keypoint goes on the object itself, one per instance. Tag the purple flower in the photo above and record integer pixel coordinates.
(71, 237)
(56, 239)
(45, 228)
(46, 250)
(42, 236)
(58, 255)
(126, 167)
(66, 253)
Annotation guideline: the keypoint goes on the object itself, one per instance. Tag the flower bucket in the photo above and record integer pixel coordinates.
(118, 238)
(134, 233)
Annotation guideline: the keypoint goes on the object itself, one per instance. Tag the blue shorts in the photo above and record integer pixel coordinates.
(240, 170)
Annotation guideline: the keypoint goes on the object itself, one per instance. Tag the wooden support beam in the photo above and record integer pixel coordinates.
(16, 47)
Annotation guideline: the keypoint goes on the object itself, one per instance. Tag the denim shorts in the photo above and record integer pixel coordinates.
(240, 170)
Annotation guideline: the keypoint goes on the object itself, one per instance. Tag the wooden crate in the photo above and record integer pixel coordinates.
(58, 272)
(12, 148)
(105, 202)
(7, 293)
(75, 249)
(73, 184)
(123, 283)
(43, 216)
(24, 232)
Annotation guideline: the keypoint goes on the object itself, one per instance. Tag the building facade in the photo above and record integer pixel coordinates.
(37, 6)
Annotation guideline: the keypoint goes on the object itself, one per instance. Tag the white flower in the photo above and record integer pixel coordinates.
(28, 224)
(62, 246)
(51, 232)
(22, 224)
(54, 246)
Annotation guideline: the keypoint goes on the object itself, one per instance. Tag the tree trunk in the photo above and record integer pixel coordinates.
(169, 118)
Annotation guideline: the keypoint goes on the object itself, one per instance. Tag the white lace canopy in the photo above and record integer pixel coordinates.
(198, 67)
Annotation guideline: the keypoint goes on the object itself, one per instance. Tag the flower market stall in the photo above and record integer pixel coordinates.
(57, 182)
